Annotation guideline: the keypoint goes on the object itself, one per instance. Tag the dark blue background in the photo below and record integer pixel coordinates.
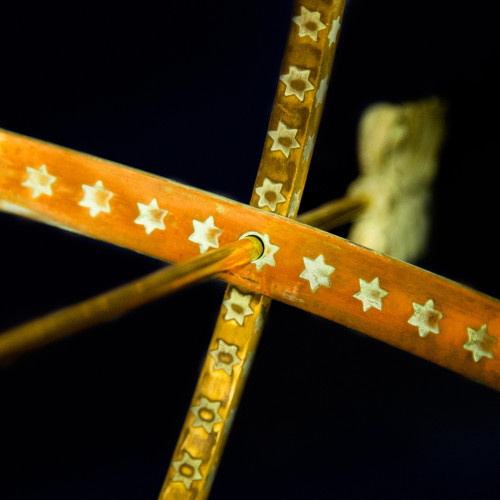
(185, 91)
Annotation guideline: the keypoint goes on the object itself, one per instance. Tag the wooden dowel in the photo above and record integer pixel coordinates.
(334, 213)
(109, 305)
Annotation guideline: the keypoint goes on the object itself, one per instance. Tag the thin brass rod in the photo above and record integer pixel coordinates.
(334, 213)
(118, 301)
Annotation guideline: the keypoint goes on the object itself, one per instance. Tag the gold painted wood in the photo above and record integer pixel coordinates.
(280, 181)
(408, 288)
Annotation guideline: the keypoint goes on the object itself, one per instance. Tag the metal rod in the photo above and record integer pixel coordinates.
(109, 305)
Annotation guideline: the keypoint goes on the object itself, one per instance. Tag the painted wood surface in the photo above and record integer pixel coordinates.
(296, 268)
(280, 181)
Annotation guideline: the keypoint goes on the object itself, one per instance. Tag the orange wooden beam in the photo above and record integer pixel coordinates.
(395, 302)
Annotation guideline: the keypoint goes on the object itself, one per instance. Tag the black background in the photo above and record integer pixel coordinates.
(185, 91)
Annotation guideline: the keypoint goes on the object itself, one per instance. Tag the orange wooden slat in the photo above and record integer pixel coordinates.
(463, 339)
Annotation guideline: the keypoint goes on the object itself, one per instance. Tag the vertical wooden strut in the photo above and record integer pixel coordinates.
(293, 126)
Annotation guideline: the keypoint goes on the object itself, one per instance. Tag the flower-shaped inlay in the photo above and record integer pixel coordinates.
(206, 234)
(309, 23)
(370, 294)
(237, 306)
(187, 470)
(480, 343)
(225, 356)
(151, 216)
(284, 139)
(425, 318)
(39, 181)
(297, 82)
(96, 198)
(206, 414)
(317, 272)
(270, 194)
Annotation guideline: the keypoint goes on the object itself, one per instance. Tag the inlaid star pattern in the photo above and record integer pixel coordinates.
(425, 318)
(225, 356)
(248, 363)
(187, 470)
(96, 198)
(309, 23)
(317, 272)
(151, 216)
(206, 234)
(284, 139)
(206, 414)
(370, 294)
(297, 82)
(332, 34)
(321, 92)
(269, 250)
(308, 148)
(480, 343)
(39, 181)
(270, 194)
(237, 306)
(294, 204)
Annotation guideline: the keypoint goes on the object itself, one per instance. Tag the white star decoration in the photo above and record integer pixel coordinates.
(284, 139)
(317, 272)
(309, 23)
(187, 470)
(226, 356)
(297, 82)
(320, 94)
(308, 148)
(332, 35)
(39, 181)
(270, 194)
(206, 234)
(269, 250)
(206, 414)
(151, 216)
(425, 318)
(480, 343)
(370, 294)
(294, 204)
(96, 198)
(237, 306)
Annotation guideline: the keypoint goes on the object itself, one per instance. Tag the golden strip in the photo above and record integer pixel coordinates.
(281, 274)
(279, 185)
(109, 305)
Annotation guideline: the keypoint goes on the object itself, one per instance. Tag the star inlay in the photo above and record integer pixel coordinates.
(308, 148)
(297, 82)
(206, 234)
(332, 35)
(270, 194)
(225, 356)
(39, 181)
(237, 306)
(294, 204)
(425, 318)
(480, 343)
(284, 139)
(370, 294)
(206, 414)
(187, 470)
(96, 198)
(309, 23)
(321, 92)
(151, 216)
(317, 272)
(269, 250)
